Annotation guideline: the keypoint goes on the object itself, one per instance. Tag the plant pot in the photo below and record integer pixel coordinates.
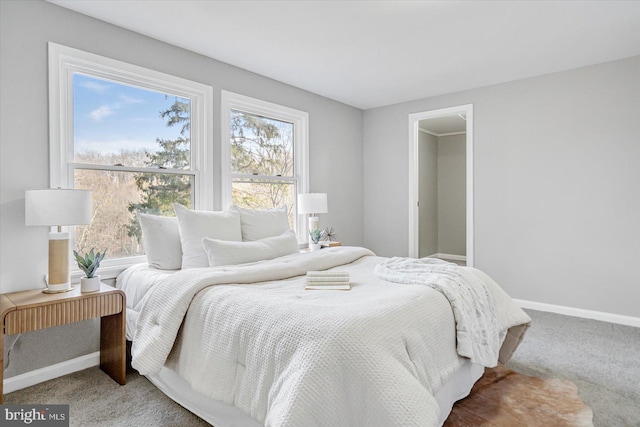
(90, 284)
(314, 246)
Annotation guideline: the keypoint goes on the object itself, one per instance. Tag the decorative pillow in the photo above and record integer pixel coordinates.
(261, 223)
(229, 253)
(161, 240)
(194, 225)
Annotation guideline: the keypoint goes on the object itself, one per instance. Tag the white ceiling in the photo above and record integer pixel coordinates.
(374, 53)
(440, 126)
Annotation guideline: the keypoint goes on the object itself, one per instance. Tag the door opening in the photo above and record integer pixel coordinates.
(444, 208)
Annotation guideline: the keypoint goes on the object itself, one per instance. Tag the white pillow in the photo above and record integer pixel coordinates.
(194, 225)
(161, 241)
(230, 253)
(261, 223)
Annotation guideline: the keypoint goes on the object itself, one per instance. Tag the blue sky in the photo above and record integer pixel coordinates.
(111, 117)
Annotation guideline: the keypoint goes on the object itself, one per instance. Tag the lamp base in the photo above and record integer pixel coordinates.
(313, 222)
(58, 279)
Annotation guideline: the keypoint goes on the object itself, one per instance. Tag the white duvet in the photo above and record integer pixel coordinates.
(371, 356)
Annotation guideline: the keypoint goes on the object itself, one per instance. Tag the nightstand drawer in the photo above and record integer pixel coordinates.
(45, 316)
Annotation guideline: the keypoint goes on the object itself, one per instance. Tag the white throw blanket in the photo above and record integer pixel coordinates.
(476, 325)
(373, 356)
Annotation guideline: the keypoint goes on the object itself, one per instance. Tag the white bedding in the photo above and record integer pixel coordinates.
(375, 355)
(136, 282)
(220, 414)
(477, 333)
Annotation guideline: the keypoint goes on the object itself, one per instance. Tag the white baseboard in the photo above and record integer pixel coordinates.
(449, 256)
(50, 372)
(579, 312)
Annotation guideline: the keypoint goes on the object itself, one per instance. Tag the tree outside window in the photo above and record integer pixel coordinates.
(262, 162)
(131, 149)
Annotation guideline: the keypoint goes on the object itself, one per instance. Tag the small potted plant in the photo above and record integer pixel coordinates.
(89, 263)
(315, 235)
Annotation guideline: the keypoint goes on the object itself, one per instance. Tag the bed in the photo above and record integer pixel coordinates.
(244, 344)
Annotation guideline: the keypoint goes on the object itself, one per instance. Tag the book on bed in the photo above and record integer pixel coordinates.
(328, 280)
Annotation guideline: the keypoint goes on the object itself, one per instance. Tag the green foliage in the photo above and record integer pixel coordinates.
(160, 190)
(90, 262)
(261, 146)
(316, 234)
(178, 114)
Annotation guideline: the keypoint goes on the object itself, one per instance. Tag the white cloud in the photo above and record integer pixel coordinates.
(94, 86)
(100, 113)
(131, 100)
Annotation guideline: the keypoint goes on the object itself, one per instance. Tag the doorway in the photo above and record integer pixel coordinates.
(450, 132)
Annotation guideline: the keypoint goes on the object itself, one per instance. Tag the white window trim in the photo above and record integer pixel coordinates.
(63, 62)
(300, 119)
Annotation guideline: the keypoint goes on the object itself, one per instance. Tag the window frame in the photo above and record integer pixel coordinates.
(300, 120)
(63, 63)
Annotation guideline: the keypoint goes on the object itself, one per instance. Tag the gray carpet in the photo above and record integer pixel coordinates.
(603, 359)
(96, 400)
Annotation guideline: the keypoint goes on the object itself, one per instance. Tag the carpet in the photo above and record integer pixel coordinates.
(501, 398)
(504, 398)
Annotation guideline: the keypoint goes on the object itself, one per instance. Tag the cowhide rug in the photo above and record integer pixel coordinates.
(504, 398)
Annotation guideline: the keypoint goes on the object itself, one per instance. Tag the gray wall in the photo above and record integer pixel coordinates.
(428, 193)
(556, 178)
(336, 139)
(452, 183)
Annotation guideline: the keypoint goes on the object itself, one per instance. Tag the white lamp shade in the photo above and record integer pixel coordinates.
(56, 207)
(312, 203)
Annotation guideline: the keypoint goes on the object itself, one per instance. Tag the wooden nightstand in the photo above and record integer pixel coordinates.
(28, 311)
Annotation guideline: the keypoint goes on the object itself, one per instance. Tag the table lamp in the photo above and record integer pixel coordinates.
(312, 203)
(58, 207)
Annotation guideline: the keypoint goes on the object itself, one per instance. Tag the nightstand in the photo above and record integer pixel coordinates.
(31, 310)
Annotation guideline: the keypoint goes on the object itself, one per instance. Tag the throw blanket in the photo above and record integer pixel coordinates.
(252, 337)
(476, 325)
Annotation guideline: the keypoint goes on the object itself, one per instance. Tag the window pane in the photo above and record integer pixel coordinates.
(261, 146)
(126, 125)
(116, 199)
(256, 194)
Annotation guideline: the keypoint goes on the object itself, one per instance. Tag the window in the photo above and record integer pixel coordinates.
(265, 149)
(135, 137)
